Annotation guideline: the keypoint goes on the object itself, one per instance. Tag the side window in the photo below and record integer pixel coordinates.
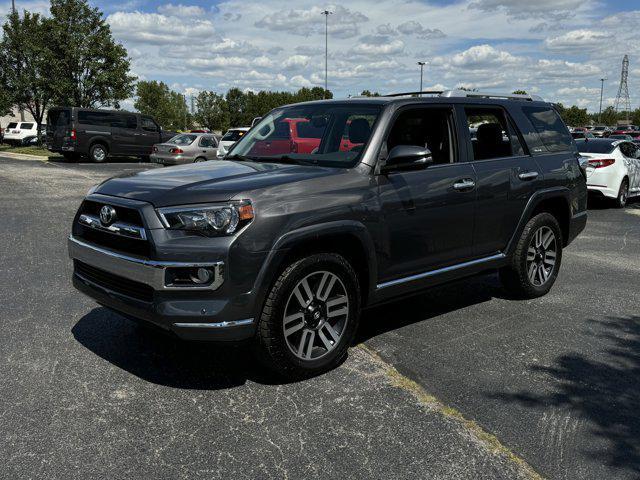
(552, 131)
(492, 135)
(425, 127)
(131, 122)
(207, 142)
(148, 124)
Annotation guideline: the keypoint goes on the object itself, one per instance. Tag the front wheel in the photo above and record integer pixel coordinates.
(310, 316)
(536, 261)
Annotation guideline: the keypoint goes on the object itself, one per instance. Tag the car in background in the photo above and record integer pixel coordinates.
(98, 134)
(613, 170)
(582, 134)
(621, 136)
(17, 132)
(186, 148)
(600, 131)
(230, 138)
(632, 130)
(200, 130)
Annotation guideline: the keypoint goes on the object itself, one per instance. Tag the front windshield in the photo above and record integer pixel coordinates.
(183, 139)
(328, 134)
(233, 135)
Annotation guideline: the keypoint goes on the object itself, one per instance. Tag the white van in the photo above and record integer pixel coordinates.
(17, 132)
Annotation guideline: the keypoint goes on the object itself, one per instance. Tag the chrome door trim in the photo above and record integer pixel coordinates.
(439, 271)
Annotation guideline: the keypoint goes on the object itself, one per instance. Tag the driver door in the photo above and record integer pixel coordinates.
(428, 214)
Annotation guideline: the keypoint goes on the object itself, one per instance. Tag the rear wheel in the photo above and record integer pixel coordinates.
(98, 153)
(536, 260)
(310, 316)
(623, 194)
(200, 159)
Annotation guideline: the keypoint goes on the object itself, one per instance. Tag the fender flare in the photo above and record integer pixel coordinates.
(284, 244)
(533, 202)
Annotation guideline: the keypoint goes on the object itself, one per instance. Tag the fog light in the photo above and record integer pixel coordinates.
(202, 275)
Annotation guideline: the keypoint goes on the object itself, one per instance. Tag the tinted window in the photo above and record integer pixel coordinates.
(12, 125)
(148, 124)
(491, 134)
(208, 142)
(102, 119)
(26, 126)
(131, 122)
(595, 146)
(233, 135)
(309, 130)
(552, 131)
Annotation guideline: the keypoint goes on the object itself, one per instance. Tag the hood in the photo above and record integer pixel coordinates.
(214, 181)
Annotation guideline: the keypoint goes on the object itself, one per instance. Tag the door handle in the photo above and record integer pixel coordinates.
(465, 184)
(528, 175)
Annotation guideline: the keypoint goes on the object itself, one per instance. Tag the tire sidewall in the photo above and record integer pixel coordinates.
(96, 147)
(541, 220)
(288, 280)
(620, 203)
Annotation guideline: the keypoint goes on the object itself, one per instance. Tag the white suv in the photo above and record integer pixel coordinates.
(229, 138)
(17, 132)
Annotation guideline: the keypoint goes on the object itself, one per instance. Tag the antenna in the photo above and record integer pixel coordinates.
(622, 99)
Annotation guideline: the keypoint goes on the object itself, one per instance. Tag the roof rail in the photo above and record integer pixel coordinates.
(405, 94)
(472, 94)
(469, 94)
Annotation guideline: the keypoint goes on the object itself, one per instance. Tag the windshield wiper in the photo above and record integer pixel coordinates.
(244, 158)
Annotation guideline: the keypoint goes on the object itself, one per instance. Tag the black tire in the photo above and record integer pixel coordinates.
(623, 194)
(200, 159)
(98, 153)
(272, 347)
(516, 277)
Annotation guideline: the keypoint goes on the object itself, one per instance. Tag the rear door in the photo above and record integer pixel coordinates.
(148, 134)
(58, 127)
(428, 214)
(631, 152)
(207, 147)
(507, 175)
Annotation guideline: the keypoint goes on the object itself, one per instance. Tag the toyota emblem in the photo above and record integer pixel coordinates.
(107, 215)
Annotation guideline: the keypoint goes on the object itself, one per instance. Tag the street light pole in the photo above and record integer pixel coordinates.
(326, 14)
(422, 64)
(601, 89)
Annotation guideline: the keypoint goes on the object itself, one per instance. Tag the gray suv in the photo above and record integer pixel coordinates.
(283, 243)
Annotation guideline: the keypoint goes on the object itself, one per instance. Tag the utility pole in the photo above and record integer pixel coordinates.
(422, 64)
(326, 14)
(13, 6)
(601, 89)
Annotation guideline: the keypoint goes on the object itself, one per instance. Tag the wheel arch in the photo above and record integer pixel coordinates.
(350, 239)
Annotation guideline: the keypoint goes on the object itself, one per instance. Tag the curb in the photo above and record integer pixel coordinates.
(24, 156)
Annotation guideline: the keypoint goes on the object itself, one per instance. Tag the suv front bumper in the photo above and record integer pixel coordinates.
(192, 313)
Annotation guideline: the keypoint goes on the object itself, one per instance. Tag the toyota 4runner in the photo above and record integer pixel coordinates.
(285, 248)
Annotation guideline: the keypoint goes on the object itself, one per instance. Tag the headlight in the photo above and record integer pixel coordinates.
(211, 220)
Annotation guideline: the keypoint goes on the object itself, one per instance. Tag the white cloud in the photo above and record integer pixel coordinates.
(374, 45)
(296, 61)
(343, 22)
(181, 11)
(532, 8)
(579, 40)
(478, 57)
(300, 81)
(415, 28)
(153, 28)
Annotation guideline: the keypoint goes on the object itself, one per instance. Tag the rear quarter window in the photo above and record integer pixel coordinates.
(551, 130)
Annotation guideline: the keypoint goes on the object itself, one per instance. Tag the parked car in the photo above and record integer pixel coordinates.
(632, 130)
(285, 250)
(600, 131)
(229, 139)
(98, 134)
(614, 168)
(621, 137)
(186, 148)
(582, 134)
(17, 132)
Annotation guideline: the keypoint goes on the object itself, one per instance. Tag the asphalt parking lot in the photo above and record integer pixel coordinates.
(458, 382)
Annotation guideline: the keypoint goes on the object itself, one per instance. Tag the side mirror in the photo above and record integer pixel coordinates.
(407, 157)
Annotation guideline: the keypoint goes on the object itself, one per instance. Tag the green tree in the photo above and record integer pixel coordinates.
(6, 97)
(520, 92)
(368, 93)
(167, 107)
(609, 116)
(91, 69)
(26, 64)
(212, 111)
(574, 116)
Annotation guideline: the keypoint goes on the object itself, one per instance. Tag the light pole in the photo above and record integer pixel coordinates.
(13, 6)
(601, 89)
(422, 64)
(326, 14)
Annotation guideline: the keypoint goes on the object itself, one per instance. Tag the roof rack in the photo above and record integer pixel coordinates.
(470, 94)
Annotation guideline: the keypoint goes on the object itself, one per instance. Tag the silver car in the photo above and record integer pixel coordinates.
(186, 148)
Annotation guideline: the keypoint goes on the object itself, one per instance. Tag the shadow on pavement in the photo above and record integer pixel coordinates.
(429, 304)
(605, 393)
(166, 360)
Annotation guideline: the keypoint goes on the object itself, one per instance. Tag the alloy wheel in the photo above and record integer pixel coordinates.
(541, 256)
(316, 315)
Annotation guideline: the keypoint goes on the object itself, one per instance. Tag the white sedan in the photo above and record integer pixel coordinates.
(614, 168)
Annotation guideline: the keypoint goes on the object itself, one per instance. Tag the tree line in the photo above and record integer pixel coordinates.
(213, 110)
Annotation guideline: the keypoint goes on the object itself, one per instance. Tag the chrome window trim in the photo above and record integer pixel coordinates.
(117, 228)
(149, 272)
(439, 271)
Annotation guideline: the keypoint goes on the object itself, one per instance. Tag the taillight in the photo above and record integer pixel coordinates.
(294, 147)
(601, 162)
(72, 134)
(176, 150)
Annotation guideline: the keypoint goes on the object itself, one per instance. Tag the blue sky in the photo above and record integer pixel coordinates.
(556, 48)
